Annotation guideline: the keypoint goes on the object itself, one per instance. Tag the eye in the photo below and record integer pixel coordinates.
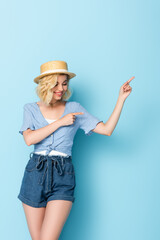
(63, 84)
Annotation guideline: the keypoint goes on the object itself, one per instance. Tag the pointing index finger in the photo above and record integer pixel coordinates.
(78, 113)
(128, 81)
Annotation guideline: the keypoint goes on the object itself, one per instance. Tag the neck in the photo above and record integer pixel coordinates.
(55, 103)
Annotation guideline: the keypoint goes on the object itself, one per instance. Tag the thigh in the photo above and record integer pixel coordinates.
(34, 217)
(56, 215)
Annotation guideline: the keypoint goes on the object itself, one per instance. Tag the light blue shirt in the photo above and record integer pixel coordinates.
(62, 139)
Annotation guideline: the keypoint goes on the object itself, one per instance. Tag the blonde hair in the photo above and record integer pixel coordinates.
(43, 89)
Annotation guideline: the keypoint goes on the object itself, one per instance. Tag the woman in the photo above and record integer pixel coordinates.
(47, 189)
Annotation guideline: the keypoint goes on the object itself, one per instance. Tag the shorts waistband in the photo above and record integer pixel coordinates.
(53, 157)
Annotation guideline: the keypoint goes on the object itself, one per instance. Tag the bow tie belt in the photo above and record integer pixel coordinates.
(51, 160)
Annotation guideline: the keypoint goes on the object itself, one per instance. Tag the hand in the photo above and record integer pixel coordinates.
(125, 89)
(69, 118)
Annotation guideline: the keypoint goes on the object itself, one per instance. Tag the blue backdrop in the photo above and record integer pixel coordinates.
(105, 43)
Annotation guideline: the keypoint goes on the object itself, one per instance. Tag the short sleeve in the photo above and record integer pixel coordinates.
(27, 120)
(87, 121)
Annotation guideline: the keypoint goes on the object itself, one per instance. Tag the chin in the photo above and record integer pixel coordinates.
(58, 97)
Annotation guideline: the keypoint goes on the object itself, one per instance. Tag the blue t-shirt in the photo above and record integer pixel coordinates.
(62, 139)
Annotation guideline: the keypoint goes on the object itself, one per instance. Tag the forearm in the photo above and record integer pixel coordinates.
(35, 136)
(112, 121)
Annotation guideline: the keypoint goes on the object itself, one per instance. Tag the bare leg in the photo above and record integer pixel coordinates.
(34, 218)
(56, 215)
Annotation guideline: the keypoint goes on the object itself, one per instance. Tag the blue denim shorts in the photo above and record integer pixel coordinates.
(47, 178)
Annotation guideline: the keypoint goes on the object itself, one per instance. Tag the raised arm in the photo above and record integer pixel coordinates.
(108, 127)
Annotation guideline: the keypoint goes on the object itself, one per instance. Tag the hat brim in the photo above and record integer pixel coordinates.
(36, 80)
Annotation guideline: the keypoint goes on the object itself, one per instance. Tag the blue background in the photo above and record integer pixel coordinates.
(105, 43)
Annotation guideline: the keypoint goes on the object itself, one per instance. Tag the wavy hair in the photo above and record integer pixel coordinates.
(45, 85)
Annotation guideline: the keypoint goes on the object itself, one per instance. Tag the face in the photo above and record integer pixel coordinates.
(60, 88)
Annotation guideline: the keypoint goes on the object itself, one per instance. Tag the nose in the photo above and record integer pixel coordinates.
(60, 88)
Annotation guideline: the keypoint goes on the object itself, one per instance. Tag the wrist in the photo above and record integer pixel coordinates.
(60, 122)
(121, 100)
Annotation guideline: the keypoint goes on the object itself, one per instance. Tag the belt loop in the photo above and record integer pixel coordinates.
(30, 154)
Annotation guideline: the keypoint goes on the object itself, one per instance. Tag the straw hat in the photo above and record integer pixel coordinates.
(52, 67)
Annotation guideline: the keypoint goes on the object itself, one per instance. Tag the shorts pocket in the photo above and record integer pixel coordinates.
(69, 168)
(31, 165)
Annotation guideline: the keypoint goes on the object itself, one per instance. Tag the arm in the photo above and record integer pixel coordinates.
(108, 127)
(35, 136)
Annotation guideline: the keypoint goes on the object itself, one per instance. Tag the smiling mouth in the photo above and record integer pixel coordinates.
(59, 94)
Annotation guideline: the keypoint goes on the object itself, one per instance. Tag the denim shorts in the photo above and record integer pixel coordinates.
(47, 178)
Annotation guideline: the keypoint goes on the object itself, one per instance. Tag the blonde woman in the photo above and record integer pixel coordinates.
(49, 180)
